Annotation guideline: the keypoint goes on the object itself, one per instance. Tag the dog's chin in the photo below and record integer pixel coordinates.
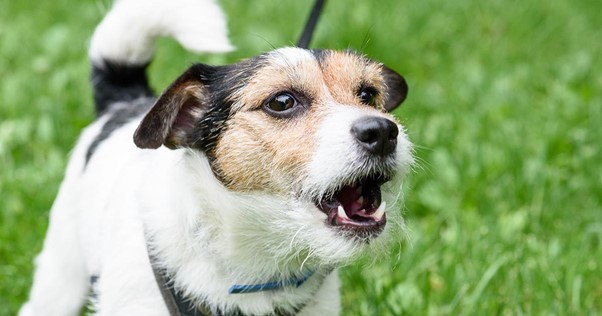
(351, 221)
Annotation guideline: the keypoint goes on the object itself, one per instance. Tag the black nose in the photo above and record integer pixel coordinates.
(376, 134)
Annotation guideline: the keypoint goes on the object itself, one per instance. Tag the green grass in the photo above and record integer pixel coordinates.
(505, 108)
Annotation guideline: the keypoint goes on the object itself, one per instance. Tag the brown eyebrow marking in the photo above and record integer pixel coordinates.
(345, 72)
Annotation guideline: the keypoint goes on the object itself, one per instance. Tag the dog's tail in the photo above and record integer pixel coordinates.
(122, 44)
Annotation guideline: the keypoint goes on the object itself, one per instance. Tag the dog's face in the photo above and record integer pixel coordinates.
(307, 130)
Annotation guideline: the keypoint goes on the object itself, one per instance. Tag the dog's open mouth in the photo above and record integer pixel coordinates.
(357, 207)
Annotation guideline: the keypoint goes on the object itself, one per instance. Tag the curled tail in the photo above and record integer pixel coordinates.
(123, 43)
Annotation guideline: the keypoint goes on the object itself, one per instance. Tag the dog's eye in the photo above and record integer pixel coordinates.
(281, 103)
(367, 95)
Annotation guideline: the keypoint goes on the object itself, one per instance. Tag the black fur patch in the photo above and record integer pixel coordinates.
(321, 55)
(221, 82)
(113, 83)
(120, 114)
(93, 283)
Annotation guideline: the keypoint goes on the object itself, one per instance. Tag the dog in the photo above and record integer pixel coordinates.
(239, 190)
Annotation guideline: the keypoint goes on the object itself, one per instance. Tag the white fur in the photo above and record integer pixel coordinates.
(128, 31)
(287, 57)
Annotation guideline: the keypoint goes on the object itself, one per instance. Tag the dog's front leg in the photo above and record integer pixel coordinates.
(61, 280)
(126, 284)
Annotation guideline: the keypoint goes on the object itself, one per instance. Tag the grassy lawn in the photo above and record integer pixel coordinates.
(505, 108)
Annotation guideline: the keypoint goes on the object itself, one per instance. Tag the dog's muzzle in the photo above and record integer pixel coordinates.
(356, 207)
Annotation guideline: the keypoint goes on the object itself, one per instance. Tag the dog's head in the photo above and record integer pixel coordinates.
(303, 135)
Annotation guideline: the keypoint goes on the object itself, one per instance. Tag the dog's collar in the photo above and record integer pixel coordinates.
(270, 286)
(179, 305)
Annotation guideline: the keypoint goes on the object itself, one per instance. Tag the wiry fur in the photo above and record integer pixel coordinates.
(227, 193)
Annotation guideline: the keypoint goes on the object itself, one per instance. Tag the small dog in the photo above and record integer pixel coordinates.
(245, 185)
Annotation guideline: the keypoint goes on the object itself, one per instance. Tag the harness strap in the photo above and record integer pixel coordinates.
(167, 291)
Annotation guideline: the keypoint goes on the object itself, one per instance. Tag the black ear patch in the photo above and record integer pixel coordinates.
(176, 111)
(397, 88)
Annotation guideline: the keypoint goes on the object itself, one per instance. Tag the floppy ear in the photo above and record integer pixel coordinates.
(176, 111)
(397, 88)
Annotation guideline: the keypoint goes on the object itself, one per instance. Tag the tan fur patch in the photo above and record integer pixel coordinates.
(344, 72)
(261, 153)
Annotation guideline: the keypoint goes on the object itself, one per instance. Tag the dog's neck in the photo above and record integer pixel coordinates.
(178, 304)
(215, 261)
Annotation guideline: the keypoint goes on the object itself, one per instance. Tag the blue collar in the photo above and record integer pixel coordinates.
(252, 288)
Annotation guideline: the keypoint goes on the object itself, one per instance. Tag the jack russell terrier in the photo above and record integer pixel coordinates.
(239, 190)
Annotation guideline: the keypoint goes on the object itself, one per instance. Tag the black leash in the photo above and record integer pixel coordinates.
(310, 25)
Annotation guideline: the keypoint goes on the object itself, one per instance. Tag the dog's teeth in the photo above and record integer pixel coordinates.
(378, 215)
(341, 212)
(360, 200)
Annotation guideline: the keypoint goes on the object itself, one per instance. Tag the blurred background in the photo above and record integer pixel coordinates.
(505, 109)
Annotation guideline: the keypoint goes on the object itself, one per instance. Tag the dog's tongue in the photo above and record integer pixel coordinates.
(352, 201)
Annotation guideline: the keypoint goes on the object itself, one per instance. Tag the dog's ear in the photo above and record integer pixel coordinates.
(176, 111)
(397, 88)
